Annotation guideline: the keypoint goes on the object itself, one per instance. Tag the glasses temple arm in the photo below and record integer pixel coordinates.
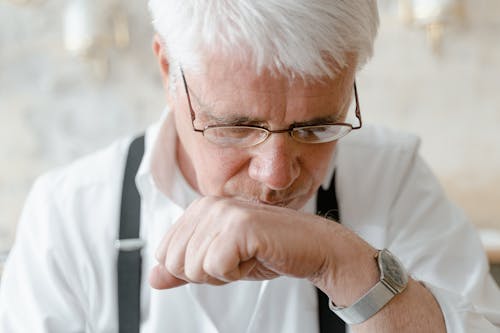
(187, 95)
(358, 110)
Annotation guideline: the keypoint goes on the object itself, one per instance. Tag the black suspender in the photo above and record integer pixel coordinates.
(327, 206)
(129, 256)
(129, 260)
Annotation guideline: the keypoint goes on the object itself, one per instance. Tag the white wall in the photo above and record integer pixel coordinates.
(451, 100)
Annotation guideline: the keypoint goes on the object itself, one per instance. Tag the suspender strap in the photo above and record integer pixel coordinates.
(327, 206)
(129, 256)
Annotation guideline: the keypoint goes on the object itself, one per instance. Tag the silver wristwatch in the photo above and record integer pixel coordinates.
(393, 280)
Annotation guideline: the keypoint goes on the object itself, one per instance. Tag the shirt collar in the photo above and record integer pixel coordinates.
(157, 177)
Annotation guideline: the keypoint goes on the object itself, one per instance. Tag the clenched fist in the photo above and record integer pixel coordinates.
(219, 240)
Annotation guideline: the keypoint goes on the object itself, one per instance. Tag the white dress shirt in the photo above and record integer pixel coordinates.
(61, 273)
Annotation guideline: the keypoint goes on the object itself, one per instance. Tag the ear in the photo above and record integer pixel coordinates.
(159, 51)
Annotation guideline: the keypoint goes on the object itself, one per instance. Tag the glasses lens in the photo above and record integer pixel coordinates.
(320, 133)
(235, 136)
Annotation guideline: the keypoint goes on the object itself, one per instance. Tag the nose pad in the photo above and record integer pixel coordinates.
(275, 162)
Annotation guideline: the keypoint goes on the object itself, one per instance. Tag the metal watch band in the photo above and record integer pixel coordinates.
(369, 304)
(393, 280)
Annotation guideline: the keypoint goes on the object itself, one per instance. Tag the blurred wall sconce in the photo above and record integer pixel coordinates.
(25, 2)
(92, 28)
(435, 16)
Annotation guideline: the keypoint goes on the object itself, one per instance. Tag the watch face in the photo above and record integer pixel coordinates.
(393, 271)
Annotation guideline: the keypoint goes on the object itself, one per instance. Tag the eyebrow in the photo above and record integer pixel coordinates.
(206, 111)
(320, 120)
(236, 120)
(233, 120)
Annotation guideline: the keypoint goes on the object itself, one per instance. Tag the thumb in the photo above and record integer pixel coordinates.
(160, 278)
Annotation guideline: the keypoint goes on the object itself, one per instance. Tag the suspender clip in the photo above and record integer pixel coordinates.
(130, 244)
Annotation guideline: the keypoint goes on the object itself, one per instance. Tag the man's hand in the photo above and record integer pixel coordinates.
(220, 240)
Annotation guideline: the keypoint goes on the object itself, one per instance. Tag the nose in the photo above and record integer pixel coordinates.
(275, 162)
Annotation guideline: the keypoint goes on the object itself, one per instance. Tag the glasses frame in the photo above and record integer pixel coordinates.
(269, 132)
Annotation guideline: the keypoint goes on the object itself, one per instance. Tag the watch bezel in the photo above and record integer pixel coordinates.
(392, 272)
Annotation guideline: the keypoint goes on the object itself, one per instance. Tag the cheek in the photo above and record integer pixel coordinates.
(316, 161)
(223, 172)
(218, 166)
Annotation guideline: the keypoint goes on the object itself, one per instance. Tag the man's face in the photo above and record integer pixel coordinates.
(279, 171)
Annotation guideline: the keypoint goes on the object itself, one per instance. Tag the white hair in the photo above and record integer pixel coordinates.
(292, 37)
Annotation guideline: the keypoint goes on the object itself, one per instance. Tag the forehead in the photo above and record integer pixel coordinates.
(226, 84)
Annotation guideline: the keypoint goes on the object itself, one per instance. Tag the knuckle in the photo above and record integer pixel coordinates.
(239, 220)
(221, 206)
(194, 274)
(211, 268)
(174, 267)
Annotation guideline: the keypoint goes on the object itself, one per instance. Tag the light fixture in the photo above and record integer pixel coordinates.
(92, 28)
(435, 16)
(26, 2)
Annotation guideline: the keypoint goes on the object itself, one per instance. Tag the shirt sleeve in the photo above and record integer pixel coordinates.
(38, 290)
(440, 248)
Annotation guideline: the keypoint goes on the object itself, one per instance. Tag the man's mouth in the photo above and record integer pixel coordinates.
(278, 203)
(281, 203)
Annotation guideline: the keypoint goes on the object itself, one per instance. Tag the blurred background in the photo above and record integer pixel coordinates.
(77, 74)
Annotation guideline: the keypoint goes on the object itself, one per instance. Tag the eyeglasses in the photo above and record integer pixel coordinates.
(244, 136)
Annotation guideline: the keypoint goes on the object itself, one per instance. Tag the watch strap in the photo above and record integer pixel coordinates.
(367, 305)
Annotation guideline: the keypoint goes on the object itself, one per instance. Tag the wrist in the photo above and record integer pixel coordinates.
(393, 280)
(355, 276)
(350, 268)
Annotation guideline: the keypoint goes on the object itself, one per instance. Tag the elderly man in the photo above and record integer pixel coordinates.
(222, 210)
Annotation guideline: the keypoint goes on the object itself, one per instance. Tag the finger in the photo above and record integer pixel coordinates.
(206, 230)
(222, 259)
(161, 251)
(160, 278)
(197, 248)
(232, 256)
(173, 232)
(195, 254)
(176, 250)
